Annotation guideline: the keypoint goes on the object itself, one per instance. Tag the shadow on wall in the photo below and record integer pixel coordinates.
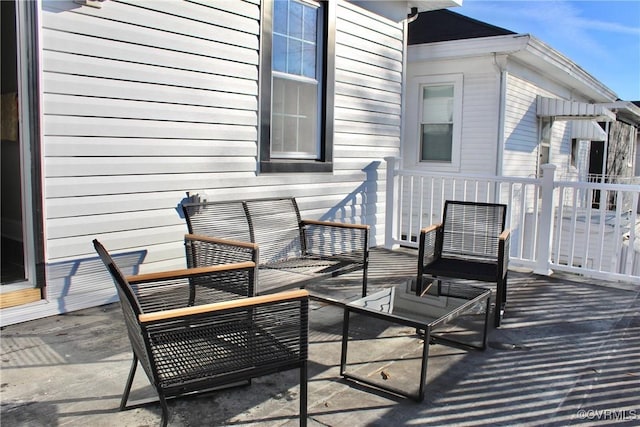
(361, 202)
(88, 276)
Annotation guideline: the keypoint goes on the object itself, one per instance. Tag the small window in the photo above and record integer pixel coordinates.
(544, 149)
(296, 87)
(433, 134)
(436, 138)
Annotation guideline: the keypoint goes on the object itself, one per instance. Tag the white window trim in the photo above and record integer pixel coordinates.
(414, 97)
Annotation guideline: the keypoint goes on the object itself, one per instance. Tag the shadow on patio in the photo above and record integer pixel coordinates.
(567, 353)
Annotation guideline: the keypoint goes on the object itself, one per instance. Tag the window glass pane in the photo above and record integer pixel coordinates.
(295, 19)
(295, 38)
(280, 16)
(279, 53)
(437, 104)
(309, 60)
(294, 57)
(310, 24)
(294, 124)
(436, 142)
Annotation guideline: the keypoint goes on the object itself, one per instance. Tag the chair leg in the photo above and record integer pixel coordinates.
(127, 389)
(165, 410)
(303, 394)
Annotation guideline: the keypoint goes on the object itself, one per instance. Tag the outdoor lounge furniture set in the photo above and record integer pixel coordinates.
(204, 328)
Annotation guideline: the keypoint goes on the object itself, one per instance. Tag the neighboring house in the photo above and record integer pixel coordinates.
(485, 100)
(114, 110)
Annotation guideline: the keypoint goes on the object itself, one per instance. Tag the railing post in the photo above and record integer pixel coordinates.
(545, 228)
(391, 204)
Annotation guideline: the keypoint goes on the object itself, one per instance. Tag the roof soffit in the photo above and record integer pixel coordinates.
(398, 10)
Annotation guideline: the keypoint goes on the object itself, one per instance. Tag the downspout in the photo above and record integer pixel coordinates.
(501, 64)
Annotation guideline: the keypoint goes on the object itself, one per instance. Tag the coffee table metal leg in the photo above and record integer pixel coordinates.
(345, 337)
(425, 361)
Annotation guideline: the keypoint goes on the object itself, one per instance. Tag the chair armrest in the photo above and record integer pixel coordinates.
(427, 247)
(335, 224)
(428, 243)
(205, 250)
(504, 241)
(221, 241)
(182, 313)
(187, 273)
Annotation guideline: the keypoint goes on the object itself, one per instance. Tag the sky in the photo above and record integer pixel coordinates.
(601, 36)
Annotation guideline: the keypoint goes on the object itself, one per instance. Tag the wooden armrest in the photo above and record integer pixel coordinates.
(209, 239)
(188, 272)
(504, 235)
(430, 228)
(225, 305)
(335, 224)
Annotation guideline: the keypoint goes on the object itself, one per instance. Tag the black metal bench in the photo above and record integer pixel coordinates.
(289, 251)
(195, 330)
(470, 243)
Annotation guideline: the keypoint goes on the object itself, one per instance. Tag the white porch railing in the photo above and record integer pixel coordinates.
(587, 228)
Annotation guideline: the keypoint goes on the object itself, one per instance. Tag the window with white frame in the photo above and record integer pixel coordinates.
(438, 121)
(436, 126)
(296, 87)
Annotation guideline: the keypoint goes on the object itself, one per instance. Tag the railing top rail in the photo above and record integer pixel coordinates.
(491, 178)
(597, 185)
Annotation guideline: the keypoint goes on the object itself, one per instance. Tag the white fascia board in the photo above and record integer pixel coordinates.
(500, 45)
(540, 55)
(525, 49)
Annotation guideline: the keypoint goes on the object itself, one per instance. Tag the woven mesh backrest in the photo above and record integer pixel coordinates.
(276, 227)
(472, 230)
(226, 220)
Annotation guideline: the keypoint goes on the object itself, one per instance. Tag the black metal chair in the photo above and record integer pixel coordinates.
(470, 243)
(190, 337)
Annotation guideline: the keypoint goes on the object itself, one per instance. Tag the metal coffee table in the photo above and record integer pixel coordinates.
(444, 301)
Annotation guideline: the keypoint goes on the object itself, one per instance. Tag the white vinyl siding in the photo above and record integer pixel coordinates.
(521, 132)
(144, 101)
(479, 88)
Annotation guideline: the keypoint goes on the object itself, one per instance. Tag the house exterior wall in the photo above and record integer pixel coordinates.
(144, 101)
(479, 117)
(481, 69)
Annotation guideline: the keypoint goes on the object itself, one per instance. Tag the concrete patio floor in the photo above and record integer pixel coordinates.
(568, 353)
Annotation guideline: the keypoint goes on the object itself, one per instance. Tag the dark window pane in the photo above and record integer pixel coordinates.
(436, 142)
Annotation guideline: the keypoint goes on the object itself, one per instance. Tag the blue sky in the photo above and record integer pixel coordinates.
(603, 37)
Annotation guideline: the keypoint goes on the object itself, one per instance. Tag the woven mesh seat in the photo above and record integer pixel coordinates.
(198, 329)
(471, 243)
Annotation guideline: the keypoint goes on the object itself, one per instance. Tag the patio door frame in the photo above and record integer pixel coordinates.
(29, 101)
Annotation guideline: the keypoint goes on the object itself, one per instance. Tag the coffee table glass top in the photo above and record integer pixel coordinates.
(437, 305)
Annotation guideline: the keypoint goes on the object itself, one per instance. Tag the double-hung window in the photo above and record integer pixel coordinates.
(433, 135)
(296, 122)
(436, 127)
